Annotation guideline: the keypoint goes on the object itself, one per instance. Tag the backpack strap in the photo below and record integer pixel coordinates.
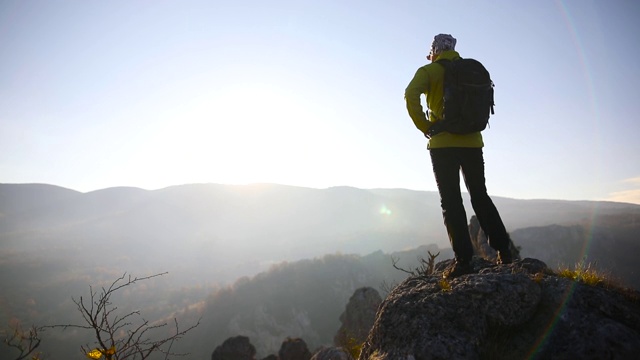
(445, 63)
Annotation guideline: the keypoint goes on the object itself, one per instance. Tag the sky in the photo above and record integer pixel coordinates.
(150, 94)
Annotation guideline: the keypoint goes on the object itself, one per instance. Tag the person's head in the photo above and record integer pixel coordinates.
(441, 42)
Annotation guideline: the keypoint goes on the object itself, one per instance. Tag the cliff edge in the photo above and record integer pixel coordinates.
(517, 311)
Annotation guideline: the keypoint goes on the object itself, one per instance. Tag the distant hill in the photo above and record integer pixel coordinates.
(610, 249)
(283, 214)
(228, 231)
(17, 199)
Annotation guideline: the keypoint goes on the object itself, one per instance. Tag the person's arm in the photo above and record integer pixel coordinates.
(418, 86)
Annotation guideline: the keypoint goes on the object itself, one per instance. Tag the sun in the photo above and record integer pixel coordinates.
(251, 132)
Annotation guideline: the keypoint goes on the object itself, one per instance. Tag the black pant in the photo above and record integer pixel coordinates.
(447, 163)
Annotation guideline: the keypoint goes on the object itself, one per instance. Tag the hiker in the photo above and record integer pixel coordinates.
(451, 152)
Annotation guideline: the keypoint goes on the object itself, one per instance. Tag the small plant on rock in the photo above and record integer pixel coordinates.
(444, 285)
(585, 273)
(426, 267)
(353, 347)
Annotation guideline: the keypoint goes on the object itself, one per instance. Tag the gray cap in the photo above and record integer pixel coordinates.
(442, 42)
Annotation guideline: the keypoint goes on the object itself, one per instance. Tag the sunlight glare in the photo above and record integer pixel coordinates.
(245, 134)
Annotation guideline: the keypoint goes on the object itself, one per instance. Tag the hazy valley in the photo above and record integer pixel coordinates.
(250, 258)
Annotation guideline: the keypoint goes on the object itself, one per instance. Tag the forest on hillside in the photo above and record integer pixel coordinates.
(292, 299)
(300, 299)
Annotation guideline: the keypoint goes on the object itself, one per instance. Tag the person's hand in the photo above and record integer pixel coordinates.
(434, 129)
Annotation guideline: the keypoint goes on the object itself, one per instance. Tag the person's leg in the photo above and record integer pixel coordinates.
(446, 168)
(472, 163)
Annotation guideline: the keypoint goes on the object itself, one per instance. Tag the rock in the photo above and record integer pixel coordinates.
(294, 349)
(358, 318)
(332, 353)
(235, 348)
(516, 311)
(481, 245)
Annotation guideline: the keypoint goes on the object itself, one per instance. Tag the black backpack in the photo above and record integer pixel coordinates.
(468, 97)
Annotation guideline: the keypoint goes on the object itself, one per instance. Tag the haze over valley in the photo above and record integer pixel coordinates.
(272, 243)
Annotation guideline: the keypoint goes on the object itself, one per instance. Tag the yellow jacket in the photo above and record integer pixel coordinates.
(429, 80)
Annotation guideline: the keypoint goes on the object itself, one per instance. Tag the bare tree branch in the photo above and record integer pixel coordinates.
(426, 267)
(123, 336)
(26, 342)
(394, 262)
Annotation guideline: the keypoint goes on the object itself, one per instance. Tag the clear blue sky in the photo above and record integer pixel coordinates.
(96, 94)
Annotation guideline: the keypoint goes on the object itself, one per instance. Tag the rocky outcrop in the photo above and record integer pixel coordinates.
(294, 349)
(481, 245)
(235, 348)
(517, 311)
(358, 317)
(332, 353)
(240, 348)
(267, 328)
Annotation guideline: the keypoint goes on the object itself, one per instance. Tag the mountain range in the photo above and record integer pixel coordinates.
(55, 242)
(231, 231)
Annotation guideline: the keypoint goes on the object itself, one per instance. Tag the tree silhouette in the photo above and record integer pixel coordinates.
(123, 336)
(26, 342)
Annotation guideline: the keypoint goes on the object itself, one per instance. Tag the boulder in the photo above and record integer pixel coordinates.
(481, 245)
(517, 311)
(294, 349)
(358, 317)
(235, 348)
(332, 353)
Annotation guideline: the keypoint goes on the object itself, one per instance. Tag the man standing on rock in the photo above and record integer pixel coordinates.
(450, 153)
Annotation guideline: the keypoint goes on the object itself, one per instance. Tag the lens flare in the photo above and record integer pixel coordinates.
(384, 210)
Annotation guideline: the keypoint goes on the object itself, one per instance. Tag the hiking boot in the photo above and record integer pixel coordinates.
(504, 257)
(457, 269)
